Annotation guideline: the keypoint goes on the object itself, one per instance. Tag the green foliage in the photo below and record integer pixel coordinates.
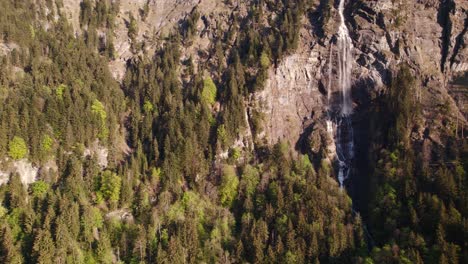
(209, 91)
(221, 134)
(44, 247)
(407, 196)
(148, 107)
(32, 32)
(132, 27)
(264, 60)
(234, 154)
(110, 186)
(145, 11)
(17, 148)
(96, 218)
(250, 180)
(156, 174)
(39, 189)
(46, 144)
(279, 210)
(229, 185)
(402, 105)
(3, 211)
(60, 90)
(99, 110)
(189, 28)
(394, 156)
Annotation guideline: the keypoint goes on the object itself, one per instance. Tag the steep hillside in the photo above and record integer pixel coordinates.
(267, 131)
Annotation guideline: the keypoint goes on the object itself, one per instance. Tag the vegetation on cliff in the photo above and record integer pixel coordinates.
(176, 187)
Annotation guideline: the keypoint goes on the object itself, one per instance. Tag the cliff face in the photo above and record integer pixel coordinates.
(429, 35)
(385, 34)
(291, 98)
(179, 142)
(155, 20)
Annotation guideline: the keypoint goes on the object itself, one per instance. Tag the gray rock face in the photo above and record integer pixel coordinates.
(459, 37)
(162, 17)
(25, 169)
(429, 36)
(291, 98)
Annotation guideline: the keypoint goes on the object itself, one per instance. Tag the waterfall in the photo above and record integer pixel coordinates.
(329, 87)
(341, 119)
(339, 123)
(345, 63)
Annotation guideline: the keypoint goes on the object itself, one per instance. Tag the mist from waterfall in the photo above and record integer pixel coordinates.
(340, 119)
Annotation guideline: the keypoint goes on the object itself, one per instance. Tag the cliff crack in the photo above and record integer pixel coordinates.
(443, 18)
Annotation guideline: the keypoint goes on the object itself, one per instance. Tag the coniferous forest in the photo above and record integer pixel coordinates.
(148, 169)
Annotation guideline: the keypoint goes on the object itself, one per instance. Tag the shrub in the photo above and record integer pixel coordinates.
(265, 60)
(39, 188)
(60, 90)
(148, 107)
(46, 144)
(234, 154)
(17, 148)
(110, 186)
(209, 91)
(98, 109)
(229, 184)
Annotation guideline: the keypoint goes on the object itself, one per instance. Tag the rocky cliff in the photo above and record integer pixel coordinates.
(155, 20)
(385, 34)
(429, 35)
(279, 131)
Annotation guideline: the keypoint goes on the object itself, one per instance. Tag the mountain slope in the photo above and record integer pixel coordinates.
(196, 131)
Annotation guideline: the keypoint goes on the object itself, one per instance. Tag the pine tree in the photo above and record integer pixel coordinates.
(44, 248)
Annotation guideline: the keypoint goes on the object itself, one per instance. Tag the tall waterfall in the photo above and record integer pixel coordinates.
(341, 117)
(345, 63)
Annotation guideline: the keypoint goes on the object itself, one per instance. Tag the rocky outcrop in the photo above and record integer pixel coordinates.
(459, 37)
(25, 169)
(429, 35)
(161, 17)
(97, 151)
(124, 215)
(385, 33)
(291, 99)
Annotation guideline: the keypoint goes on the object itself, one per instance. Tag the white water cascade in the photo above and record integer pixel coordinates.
(340, 119)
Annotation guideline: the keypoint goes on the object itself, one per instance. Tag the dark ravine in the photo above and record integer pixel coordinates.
(443, 18)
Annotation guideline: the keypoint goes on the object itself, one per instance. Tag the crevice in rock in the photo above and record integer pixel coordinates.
(443, 18)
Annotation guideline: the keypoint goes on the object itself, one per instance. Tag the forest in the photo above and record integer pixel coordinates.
(164, 195)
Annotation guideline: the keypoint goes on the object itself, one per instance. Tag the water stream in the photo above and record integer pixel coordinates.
(339, 123)
(340, 115)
